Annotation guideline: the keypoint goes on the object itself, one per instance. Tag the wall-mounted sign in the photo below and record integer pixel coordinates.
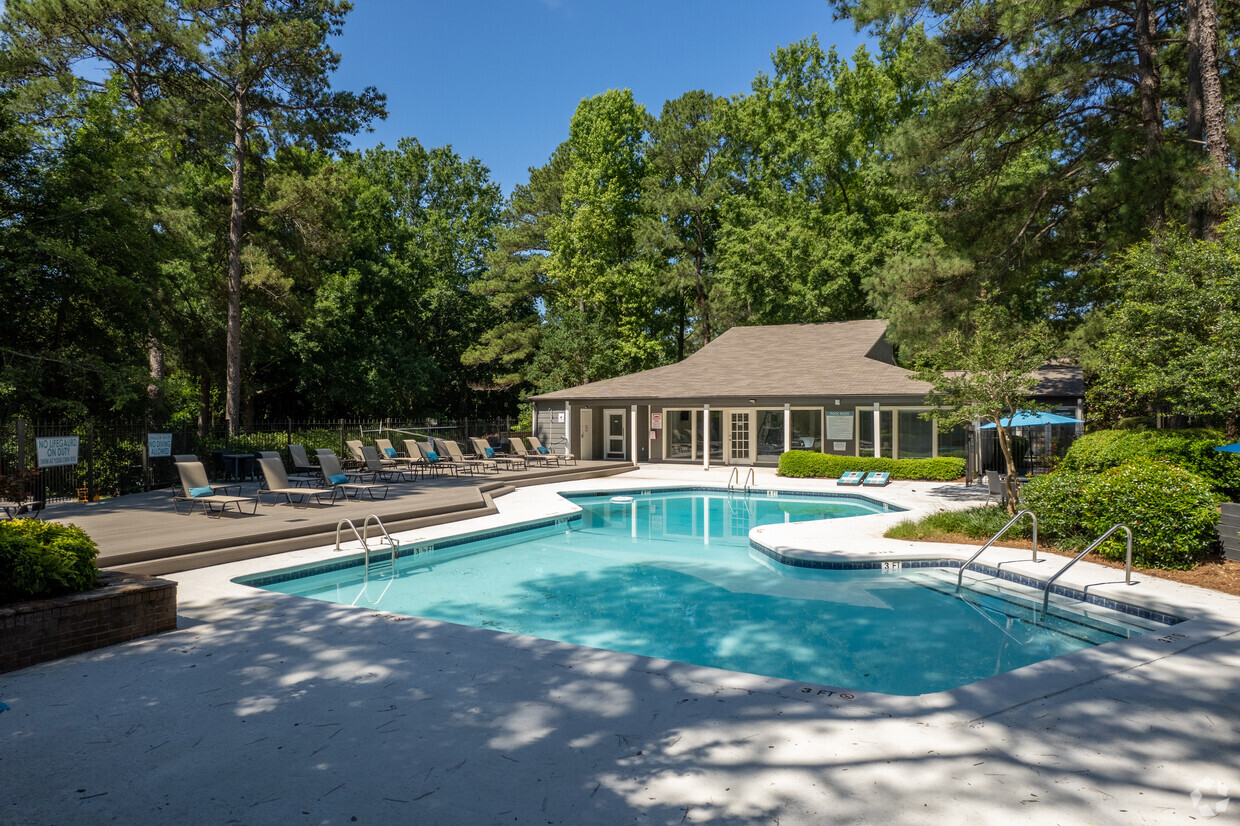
(159, 444)
(839, 445)
(656, 421)
(559, 417)
(839, 425)
(55, 451)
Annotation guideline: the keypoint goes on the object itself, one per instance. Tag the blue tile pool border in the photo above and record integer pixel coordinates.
(820, 494)
(356, 559)
(1008, 576)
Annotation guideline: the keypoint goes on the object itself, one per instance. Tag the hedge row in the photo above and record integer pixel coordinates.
(1193, 450)
(807, 464)
(43, 559)
(1171, 511)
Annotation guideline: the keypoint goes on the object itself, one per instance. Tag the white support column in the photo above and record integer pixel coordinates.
(568, 429)
(787, 428)
(878, 432)
(706, 437)
(633, 432)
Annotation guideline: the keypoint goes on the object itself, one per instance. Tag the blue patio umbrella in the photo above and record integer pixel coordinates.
(1024, 418)
(1229, 448)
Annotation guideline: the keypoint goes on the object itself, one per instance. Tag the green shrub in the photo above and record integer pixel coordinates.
(807, 464)
(1192, 450)
(1171, 511)
(43, 559)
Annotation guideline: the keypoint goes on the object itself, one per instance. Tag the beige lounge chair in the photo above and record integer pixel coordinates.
(194, 481)
(518, 447)
(389, 453)
(507, 462)
(381, 470)
(537, 447)
(278, 485)
(177, 458)
(455, 454)
(335, 476)
(438, 465)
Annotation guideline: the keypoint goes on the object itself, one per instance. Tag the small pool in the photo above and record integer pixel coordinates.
(670, 574)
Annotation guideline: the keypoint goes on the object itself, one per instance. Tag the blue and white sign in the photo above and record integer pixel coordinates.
(55, 451)
(158, 444)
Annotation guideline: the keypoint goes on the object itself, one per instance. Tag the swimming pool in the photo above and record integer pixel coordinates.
(671, 575)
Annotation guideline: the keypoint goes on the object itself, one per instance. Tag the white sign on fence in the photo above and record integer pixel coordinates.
(159, 444)
(55, 451)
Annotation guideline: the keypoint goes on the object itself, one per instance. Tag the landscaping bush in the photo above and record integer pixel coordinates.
(1172, 512)
(976, 523)
(1192, 450)
(43, 559)
(807, 464)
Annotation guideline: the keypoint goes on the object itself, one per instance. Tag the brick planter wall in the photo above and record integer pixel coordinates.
(122, 607)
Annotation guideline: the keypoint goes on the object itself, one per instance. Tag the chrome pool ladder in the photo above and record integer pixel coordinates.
(735, 480)
(364, 538)
(991, 541)
(1046, 592)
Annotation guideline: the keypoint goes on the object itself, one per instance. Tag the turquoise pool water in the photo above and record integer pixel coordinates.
(671, 575)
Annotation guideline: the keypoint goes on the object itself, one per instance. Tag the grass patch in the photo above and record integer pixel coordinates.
(972, 523)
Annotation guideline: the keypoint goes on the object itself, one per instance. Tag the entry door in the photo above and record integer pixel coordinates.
(587, 434)
(613, 434)
(740, 437)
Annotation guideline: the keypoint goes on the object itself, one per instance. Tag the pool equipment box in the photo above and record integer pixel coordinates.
(1229, 530)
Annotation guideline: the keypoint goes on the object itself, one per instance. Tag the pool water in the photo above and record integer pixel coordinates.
(672, 576)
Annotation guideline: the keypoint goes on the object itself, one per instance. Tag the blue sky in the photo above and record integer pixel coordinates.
(500, 80)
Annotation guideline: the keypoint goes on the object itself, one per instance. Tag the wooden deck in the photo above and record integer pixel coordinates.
(141, 533)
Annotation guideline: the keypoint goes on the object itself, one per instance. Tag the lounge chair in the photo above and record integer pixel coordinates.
(388, 452)
(384, 470)
(537, 447)
(198, 491)
(278, 485)
(482, 450)
(996, 485)
(455, 455)
(420, 454)
(852, 477)
(335, 476)
(877, 479)
(518, 447)
(177, 458)
(301, 462)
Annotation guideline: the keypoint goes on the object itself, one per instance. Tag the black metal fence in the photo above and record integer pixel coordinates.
(115, 458)
(1035, 450)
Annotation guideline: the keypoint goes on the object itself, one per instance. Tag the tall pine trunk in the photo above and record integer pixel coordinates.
(1149, 85)
(1206, 115)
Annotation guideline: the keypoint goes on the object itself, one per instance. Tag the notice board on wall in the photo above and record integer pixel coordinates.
(839, 425)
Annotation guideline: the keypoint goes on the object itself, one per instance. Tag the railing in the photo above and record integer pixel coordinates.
(1046, 593)
(734, 480)
(991, 541)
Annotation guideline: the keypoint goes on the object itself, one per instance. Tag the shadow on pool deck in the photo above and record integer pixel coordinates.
(279, 709)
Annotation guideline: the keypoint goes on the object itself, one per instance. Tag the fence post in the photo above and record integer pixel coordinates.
(289, 436)
(90, 461)
(146, 459)
(342, 453)
(21, 445)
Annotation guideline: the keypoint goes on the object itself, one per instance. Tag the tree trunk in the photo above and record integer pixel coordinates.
(204, 405)
(232, 364)
(1013, 488)
(1149, 87)
(1203, 47)
(155, 390)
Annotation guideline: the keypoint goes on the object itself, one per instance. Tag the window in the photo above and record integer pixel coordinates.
(916, 436)
(865, 432)
(678, 430)
(770, 435)
(807, 430)
(952, 441)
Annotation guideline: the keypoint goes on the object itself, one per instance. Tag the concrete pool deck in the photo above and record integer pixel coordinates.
(265, 708)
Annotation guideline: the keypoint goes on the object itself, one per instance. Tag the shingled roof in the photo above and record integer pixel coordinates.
(847, 358)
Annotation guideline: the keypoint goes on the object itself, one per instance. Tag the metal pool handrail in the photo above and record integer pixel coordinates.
(1046, 593)
(991, 541)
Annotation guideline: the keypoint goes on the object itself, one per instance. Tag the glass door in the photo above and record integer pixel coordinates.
(740, 445)
(613, 434)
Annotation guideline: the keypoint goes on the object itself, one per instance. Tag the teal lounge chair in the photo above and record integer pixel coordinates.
(852, 477)
(877, 479)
